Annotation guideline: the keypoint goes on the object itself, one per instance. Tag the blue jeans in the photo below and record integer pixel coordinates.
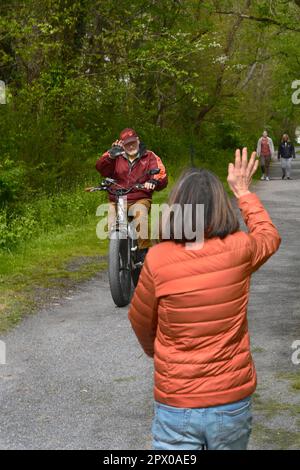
(226, 427)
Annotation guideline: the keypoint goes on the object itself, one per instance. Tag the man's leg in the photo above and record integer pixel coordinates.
(111, 216)
(139, 210)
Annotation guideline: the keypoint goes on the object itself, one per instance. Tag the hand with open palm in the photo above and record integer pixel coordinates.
(240, 173)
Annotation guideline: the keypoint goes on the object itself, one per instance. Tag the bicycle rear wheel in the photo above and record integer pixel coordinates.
(119, 269)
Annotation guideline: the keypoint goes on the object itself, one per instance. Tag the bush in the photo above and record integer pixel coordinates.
(47, 214)
(14, 231)
(11, 181)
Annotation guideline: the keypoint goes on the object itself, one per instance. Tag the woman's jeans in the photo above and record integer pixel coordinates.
(286, 165)
(226, 427)
(265, 161)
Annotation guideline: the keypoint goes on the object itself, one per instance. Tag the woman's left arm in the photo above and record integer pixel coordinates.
(272, 148)
(143, 310)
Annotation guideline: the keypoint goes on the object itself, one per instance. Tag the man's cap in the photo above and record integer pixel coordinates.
(128, 135)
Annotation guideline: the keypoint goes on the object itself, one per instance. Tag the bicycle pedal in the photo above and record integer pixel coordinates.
(139, 264)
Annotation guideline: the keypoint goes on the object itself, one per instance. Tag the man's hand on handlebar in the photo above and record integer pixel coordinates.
(149, 185)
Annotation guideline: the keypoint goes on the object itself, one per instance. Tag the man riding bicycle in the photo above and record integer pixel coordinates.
(128, 161)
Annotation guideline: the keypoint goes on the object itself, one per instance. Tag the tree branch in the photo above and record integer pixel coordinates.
(263, 19)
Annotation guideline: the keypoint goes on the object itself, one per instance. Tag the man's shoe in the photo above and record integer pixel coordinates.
(141, 254)
(289, 178)
(263, 178)
(267, 178)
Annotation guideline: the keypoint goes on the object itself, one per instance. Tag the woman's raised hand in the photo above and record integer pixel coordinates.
(240, 173)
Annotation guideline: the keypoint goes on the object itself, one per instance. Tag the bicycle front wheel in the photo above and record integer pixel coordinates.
(119, 269)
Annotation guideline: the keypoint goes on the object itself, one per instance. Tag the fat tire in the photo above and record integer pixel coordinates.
(120, 284)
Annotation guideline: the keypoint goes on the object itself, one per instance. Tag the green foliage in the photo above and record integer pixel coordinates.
(11, 178)
(196, 79)
(46, 215)
(16, 230)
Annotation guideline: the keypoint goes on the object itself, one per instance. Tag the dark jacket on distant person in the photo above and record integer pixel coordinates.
(286, 150)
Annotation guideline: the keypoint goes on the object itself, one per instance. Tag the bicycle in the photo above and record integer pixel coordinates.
(124, 266)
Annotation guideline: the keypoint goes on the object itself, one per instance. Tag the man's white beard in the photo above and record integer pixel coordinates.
(133, 154)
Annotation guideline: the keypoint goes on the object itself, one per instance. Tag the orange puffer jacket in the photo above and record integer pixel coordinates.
(189, 311)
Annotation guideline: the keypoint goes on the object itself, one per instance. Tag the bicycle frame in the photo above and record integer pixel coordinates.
(126, 227)
(121, 222)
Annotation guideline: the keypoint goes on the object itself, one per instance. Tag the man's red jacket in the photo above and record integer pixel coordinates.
(127, 173)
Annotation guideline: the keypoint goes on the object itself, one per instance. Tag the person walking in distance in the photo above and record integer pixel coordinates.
(286, 152)
(265, 150)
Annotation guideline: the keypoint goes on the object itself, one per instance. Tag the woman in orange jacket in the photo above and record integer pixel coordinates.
(189, 312)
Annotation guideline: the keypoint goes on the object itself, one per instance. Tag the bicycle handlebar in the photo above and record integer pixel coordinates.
(105, 185)
(123, 190)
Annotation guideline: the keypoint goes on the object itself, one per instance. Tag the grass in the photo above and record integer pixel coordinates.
(126, 379)
(276, 439)
(258, 350)
(270, 408)
(279, 438)
(293, 378)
